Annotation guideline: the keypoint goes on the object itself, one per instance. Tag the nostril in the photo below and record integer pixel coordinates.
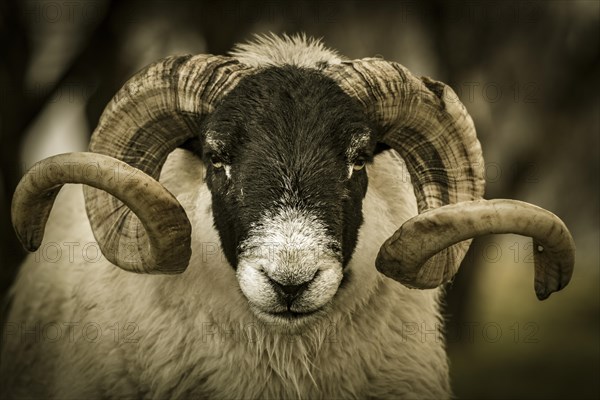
(290, 292)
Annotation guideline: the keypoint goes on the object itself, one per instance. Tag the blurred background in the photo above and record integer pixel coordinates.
(528, 72)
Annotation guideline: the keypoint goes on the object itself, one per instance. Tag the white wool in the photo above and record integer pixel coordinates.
(273, 50)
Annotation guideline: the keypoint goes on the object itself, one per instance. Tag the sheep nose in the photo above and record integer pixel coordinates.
(290, 292)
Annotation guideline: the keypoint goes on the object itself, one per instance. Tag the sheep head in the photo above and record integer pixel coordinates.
(285, 147)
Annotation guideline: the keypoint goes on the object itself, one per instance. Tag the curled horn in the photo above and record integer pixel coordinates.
(424, 121)
(168, 236)
(404, 256)
(138, 224)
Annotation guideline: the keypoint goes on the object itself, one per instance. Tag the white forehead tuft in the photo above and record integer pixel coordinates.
(274, 50)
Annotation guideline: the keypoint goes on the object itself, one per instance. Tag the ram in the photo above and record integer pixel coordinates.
(241, 205)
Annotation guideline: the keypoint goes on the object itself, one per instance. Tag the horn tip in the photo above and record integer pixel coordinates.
(29, 240)
(31, 247)
(543, 291)
(542, 294)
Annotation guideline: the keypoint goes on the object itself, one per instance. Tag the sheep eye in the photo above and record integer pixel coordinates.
(216, 162)
(358, 165)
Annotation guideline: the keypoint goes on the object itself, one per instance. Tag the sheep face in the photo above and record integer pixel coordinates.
(285, 154)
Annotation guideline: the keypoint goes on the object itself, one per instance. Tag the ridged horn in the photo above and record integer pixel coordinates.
(405, 253)
(424, 121)
(167, 241)
(157, 110)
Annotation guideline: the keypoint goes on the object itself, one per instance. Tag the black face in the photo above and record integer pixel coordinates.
(287, 138)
